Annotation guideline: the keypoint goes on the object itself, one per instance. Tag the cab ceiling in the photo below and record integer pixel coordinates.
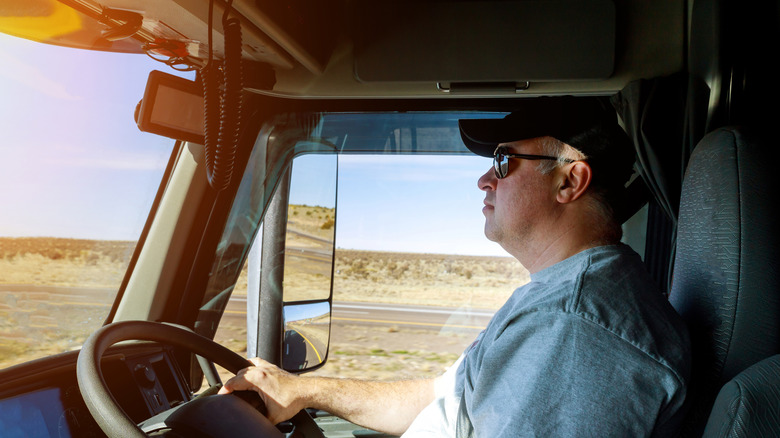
(391, 49)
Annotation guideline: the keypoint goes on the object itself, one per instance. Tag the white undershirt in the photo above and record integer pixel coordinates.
(438, 418)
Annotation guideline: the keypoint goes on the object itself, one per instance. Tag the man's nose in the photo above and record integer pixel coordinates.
(487, 181)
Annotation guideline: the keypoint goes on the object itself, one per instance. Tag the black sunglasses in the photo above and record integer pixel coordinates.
(501, 160)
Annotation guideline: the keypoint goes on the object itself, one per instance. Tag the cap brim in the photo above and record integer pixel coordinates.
(560, 117)
(482, 136)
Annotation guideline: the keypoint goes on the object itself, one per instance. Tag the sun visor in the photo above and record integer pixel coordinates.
(552, 40)
(54, 22)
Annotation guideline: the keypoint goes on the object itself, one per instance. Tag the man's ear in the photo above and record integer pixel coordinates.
(575, 179)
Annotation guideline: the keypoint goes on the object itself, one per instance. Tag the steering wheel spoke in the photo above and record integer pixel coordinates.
(209, 415)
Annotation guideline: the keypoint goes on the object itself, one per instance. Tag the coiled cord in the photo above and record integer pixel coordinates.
(222, 111)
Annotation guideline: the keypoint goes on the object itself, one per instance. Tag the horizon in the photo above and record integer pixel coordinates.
(133, 242)
(75, 165)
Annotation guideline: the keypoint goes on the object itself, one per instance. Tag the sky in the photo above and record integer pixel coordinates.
(401, 203)
(74, 164)
(419, 204)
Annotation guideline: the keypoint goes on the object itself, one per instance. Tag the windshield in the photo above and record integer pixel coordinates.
(355, 134)
(78, 179)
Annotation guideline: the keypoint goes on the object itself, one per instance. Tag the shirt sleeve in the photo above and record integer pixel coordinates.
(558, 374)
(438, 418)
(445, 384)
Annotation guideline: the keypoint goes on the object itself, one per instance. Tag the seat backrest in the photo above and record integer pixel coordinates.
(726, 282)
(749, 405)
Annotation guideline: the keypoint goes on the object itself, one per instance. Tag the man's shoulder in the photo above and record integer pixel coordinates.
(591, 275)
(609, 289)
(618, 292)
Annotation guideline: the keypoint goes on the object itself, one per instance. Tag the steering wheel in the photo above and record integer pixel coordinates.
(214, 415)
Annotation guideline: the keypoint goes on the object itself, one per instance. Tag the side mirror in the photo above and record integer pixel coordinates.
(306, 335)
(290, 268)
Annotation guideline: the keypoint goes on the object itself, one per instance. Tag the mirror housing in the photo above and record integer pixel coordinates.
(306, 335)
(290, 267)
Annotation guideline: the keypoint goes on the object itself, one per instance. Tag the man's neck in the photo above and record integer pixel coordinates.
(553, 247)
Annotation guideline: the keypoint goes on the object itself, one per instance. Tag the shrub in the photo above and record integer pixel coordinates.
(328, 224)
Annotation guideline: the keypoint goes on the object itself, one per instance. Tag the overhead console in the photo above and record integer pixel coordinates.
(391, 49)
(554, 40)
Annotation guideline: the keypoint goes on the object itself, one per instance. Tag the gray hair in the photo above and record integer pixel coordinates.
(601, 207)
(555, 148)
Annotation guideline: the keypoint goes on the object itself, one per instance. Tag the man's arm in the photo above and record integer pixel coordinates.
(388, 407)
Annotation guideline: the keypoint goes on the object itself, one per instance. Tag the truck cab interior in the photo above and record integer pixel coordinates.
(270, 83)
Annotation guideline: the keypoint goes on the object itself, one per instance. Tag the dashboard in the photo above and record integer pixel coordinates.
(42, 399)
(39, 413)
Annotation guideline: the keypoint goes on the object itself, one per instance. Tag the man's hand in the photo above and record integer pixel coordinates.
(281, 391)
(384, 406)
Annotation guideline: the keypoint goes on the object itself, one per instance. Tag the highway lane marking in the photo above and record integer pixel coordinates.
(465, 312)
(319, 358)
(70, 303)
(383, 321)
(405, 309)
(429, 324)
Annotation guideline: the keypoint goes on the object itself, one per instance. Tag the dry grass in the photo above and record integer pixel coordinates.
(63, 262)
(87, 251)
(426, 279)
(35, 322)
(315, 221)
(27, 331)
(407, 278)
(387, 277)
(376, 352)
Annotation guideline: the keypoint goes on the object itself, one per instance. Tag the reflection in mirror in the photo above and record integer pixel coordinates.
(311, 228)
(306, 335)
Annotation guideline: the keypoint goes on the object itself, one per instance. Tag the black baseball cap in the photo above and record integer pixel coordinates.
(588, 124)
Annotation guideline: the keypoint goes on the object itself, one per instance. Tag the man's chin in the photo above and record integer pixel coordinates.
(490, 233)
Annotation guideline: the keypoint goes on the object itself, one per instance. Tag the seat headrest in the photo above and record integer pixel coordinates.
(725, 283)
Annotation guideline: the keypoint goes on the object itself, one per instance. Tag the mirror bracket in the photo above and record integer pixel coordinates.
(132, 23)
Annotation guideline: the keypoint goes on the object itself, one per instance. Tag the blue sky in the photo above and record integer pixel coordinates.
(399, 202)
(74, 164)
(419, 204)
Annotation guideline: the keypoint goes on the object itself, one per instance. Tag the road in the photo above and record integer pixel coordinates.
(46, 302)
(389, 314)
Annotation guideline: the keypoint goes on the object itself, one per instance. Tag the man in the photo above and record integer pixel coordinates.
(588, 347)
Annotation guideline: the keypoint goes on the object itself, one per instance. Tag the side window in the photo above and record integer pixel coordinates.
(415, 279)
(78, 180)
(306, 283)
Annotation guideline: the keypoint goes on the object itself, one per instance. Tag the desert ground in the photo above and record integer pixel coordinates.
(31, 267)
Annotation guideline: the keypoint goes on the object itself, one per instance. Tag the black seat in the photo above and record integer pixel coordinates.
(749, 405)
(726, 282)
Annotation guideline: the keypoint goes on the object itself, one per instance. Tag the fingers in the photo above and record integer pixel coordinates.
(237, 382)
(242, 380)
(226, 388)
(278, 389)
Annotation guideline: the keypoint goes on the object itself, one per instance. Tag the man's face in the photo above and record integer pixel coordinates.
(517, 206)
